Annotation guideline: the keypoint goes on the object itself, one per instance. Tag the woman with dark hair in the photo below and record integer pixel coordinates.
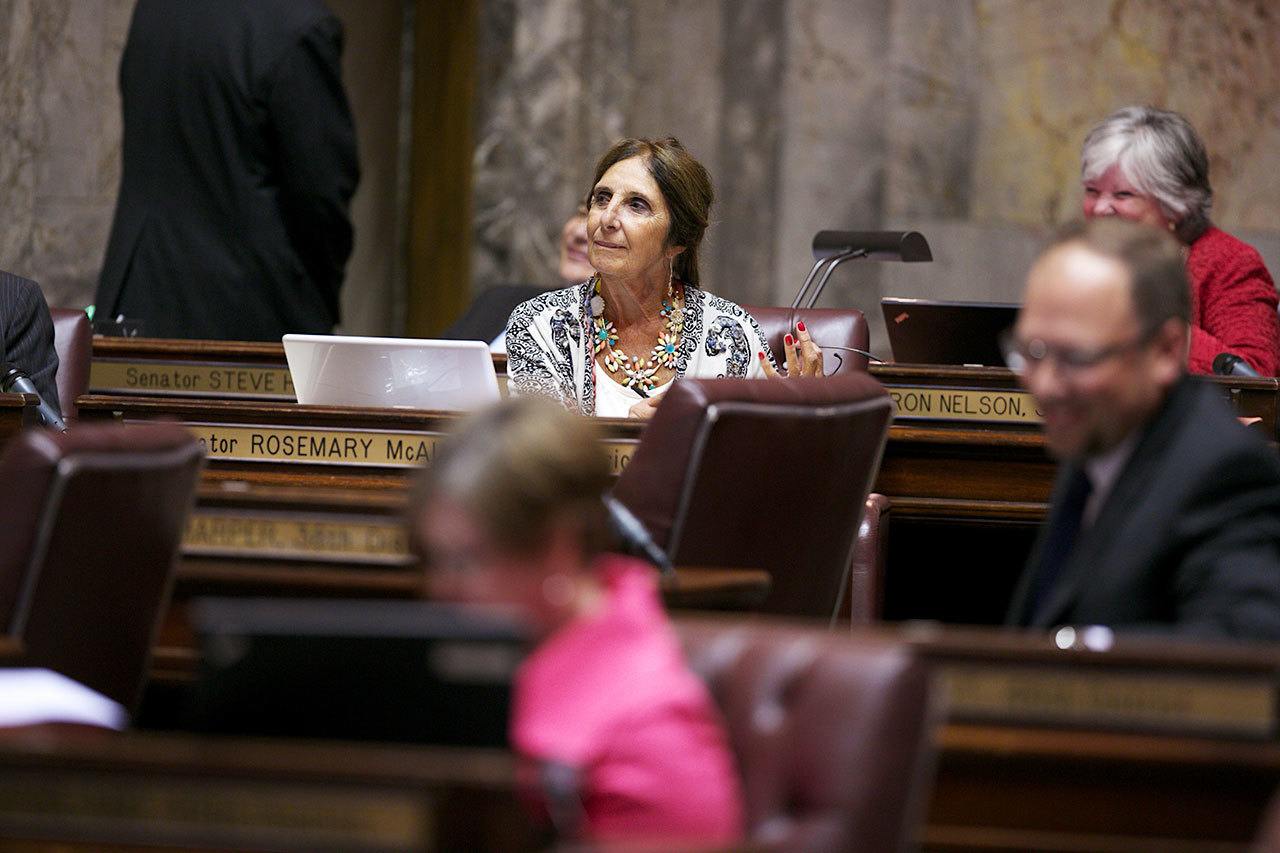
(618, 739)
(613, 344)
(1149, 165)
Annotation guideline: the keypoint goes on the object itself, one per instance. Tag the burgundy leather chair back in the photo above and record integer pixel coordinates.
(829, 327)
(766, 474)
(866, 575)
(94, 520)
(831, 733)
(73, 341)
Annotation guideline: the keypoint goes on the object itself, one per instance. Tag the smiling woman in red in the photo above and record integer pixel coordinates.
(1149, 165)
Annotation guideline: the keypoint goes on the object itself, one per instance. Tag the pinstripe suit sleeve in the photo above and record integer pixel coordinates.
(28, 333)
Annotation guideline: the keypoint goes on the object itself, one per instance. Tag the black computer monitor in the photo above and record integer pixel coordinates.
(364, 670)
(923, 331)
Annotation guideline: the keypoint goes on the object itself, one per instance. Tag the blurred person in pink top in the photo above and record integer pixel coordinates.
(618, 739)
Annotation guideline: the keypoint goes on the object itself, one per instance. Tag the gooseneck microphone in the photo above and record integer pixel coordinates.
(14, 380)
(1230, 364)
(635, 537)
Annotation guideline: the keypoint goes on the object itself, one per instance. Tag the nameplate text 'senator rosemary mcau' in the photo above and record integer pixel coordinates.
(372, 448)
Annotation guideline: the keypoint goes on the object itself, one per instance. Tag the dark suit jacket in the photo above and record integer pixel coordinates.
(1187, 541)
(487, 315)
(26, 334)
(239, 167)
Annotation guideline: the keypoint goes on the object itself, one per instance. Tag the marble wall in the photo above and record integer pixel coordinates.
(962, 120)
(59, 139)
(60, 147)
(958, 118)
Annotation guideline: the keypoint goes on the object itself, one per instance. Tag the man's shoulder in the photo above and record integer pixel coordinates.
(16, 290)
(1209, 434)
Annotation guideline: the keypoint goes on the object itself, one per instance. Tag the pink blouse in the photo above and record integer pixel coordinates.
(611, 697)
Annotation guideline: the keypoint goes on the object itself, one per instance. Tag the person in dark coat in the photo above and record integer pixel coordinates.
(239, 167)
(1165, 517)
(26, 334)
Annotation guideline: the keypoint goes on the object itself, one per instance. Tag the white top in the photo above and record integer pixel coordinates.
(614, 400)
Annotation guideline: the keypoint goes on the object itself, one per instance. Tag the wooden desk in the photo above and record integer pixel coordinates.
(1154, 745)
(965, 466)
(175, 657)
(250, 370)
(137, 790)
(1001, 784)
(1024, 788)
(956, 489)
(17, 412)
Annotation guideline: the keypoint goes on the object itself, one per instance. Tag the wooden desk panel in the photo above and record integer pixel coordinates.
(1006, 789)
(1128, 769)
(957, 489)
(184, 791)
(17, 412)
(1000, 785)
(967, 494)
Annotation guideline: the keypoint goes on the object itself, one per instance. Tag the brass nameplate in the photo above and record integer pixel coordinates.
(221, 813)
(370, 448)
(316, 445)
(278, 535)
(985, 405)
(1238, 707)
(190, 379)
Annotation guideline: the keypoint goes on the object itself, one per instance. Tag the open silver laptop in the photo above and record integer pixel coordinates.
(402, 373)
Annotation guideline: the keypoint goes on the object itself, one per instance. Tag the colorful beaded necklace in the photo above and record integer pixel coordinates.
(639, 372)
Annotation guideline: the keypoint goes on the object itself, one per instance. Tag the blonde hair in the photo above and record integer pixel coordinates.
(519, 469)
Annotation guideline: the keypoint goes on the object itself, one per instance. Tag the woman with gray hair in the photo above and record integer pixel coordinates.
(1149, 165)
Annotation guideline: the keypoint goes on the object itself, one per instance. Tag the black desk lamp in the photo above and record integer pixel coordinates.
(832, 248)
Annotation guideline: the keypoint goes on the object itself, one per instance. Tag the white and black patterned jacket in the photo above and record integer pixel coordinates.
(549, 344)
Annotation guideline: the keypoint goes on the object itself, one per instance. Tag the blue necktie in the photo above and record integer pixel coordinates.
(1061, 539)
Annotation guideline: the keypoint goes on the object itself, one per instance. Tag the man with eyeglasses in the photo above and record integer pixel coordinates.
(1166, 512)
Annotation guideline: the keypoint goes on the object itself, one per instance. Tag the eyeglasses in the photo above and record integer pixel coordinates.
(1022, 356)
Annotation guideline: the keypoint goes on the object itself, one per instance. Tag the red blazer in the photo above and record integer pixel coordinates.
(1233, 304)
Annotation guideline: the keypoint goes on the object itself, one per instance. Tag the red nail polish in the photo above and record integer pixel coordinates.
(789, 340)
(800, 325)
(760, 355)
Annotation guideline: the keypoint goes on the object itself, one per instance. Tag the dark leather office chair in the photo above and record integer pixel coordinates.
(829, 327)
(93, 520)
(832, 734)
(765, 474)
(73, 341)
(870, 551)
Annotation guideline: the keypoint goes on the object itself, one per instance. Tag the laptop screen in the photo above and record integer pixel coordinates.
(337, 370)
(923, 331)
